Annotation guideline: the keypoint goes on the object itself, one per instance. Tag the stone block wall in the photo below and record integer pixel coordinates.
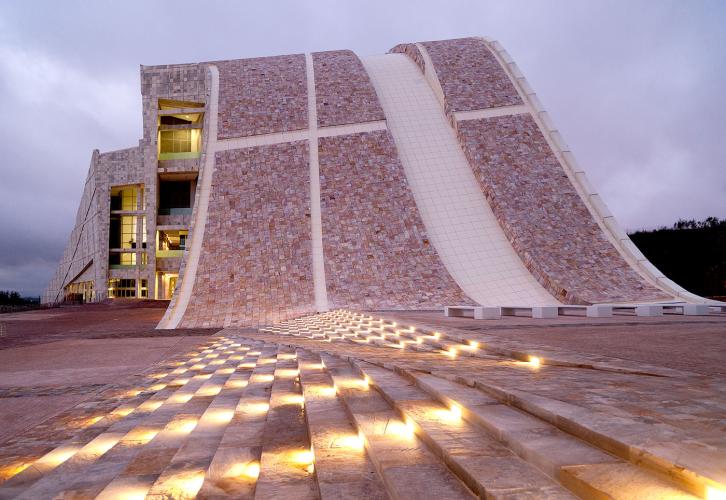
(544, 217)
(184, 82)
(88, 242)
(262, 95)
(256, 265)
(470, 76)
(412, 51)
(344, 93)
(377, 253)
(176, 82)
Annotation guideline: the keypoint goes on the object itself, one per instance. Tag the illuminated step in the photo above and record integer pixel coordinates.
(480, 460)
(60, 466)
(94, 424)
(573, 462)
(235, 466)
(342, 466)
(144, 467)
(185, 474)
(407, 467)
(286, 463)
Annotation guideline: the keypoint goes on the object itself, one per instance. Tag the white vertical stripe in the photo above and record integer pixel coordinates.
(175, 313)
(458, 219)
(319, 287)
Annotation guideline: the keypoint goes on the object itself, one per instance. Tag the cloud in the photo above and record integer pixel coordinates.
(635, 87)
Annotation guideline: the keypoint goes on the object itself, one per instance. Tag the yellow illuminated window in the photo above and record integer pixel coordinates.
(127, 198)
(121, 288)
(128, 231)
(179, 141)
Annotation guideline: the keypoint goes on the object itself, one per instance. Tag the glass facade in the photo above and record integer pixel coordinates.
(119, 288)
(79, 292)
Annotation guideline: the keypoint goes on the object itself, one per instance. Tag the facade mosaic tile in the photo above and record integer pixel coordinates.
(256, 264)
(412, 51)
(262, 96)
(544, 217)
(344, 93)
(470, 76)
(377, 253)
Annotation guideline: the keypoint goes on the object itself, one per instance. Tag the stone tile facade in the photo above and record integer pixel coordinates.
(262, 95)
(87, 248)
(344, 93)
(377, 253)
(176, 82)
(470, 76)
(544, 217)
(412, 51)
(256, 265)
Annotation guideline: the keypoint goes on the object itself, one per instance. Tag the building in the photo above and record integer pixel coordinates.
(267, 188)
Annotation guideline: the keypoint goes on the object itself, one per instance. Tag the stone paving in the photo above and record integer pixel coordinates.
(358, 405)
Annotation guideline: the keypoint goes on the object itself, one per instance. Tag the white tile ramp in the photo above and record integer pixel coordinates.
(458, 219)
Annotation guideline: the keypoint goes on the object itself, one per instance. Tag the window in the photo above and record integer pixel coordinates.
(121, 288)
(176, 141)
(176, 197)
(126, 198)
(179, 143)
(165, 284)
(143, 289)
(173, 240)
(128, 231)
(143, 231)
(81, 292)
(171, 104)
(116, 259)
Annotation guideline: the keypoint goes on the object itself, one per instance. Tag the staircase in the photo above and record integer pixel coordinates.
(326, 407)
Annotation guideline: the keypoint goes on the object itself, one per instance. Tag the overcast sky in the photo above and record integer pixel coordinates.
(638, 89)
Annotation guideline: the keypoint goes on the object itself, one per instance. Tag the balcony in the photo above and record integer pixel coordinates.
(162, 254)
(183, 155)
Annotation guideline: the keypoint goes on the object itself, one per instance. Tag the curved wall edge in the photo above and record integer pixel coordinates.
(190, 261)
(577, 176)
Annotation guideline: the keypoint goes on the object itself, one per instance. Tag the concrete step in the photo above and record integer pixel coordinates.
(342, 466)
(409, 470)
(155, 457)
(189, 465)
(658, 447)
(112, 469)
(59, 466)
(695, 466)
(45, 438)
(488, 467)
(235, 467)
(286, 464)
(561, 455)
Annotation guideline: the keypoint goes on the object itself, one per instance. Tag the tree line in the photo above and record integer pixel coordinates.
(690, 252)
